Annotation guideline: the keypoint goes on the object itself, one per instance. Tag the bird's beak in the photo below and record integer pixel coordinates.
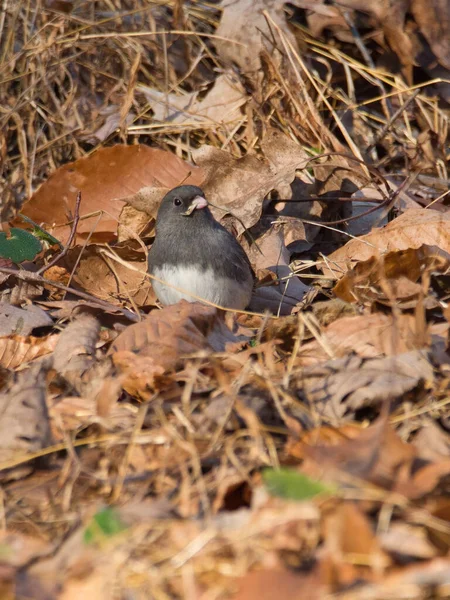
(197, 203)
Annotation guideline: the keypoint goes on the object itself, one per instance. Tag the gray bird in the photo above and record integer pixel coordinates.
(194, 253)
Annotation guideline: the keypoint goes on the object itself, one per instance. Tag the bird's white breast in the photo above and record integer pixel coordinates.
(205, 285)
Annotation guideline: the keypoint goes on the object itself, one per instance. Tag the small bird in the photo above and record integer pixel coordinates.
(195, 254)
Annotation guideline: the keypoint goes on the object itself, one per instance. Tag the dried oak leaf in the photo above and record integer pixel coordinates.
(109, 280)
(339, 387)
(24, 422)
(277, 583)
(377, 455)
(22, 321)
(393, 277)
(368, 336)
(239, 185)
(169, 335)
(246, 31)
(220, 106)
(18, 350)
(104, 178)
(413, 229)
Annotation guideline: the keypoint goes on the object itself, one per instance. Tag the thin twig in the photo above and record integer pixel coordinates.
(73, 231)
(38, 279)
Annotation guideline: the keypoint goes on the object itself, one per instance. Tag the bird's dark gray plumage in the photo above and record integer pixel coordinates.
(194, 253)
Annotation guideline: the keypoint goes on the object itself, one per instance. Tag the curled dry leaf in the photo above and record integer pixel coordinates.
(22, 321)
(17, 350)
(247, 33)
(104, 278)
(75, 351)
(413, 229)
(269, 251)
(175, 332)
(104, 179)
(239, 185)
(24, 422)
(394, 277)
(377, 455)
(340, 387)
(367, 336)
(220, 106)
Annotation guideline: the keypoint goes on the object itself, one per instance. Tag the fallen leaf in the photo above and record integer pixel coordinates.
(21, 321)
(377, 455)
(221, 105)
(269, 584)
(17, 350)
(24, 423)
(413, 229)
(238, 186)
(174, 332)
(348, 534)
(392, 278)
(433, 19)
(109, 280)
(103, 178)
(367, 336)
(339, 387)
(269, 251)
(405, 541)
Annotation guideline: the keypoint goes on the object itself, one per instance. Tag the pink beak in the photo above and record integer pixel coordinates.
(197, 203)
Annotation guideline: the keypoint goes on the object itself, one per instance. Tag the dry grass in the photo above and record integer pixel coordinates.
(61, 76)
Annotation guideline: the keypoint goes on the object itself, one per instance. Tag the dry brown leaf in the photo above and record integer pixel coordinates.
(339, 387)
(243, 23)
(348, 533)
(393, 278)
(377, 455)
(110, 280)
(322, 436)
(269, 252)
(24, 422)
(405, 541)
(221, 105)
(16, 291)
(141, 375)
(413, 581)
(22, 321)
(239, 186)
(272, 583)
(74, 353)
(413, 229)
(176, 331)
(433, 18)
(367, 336)
(432, 441)
(103, 178)
(427, 479)
(17, 350)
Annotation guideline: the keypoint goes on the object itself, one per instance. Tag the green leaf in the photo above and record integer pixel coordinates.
(41, 233)
(292, 485)
(20, 246)
(105, 524)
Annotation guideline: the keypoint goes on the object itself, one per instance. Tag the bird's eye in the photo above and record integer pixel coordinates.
(177, 201)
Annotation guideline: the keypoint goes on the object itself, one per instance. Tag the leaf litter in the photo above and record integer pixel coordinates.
(301, 449)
